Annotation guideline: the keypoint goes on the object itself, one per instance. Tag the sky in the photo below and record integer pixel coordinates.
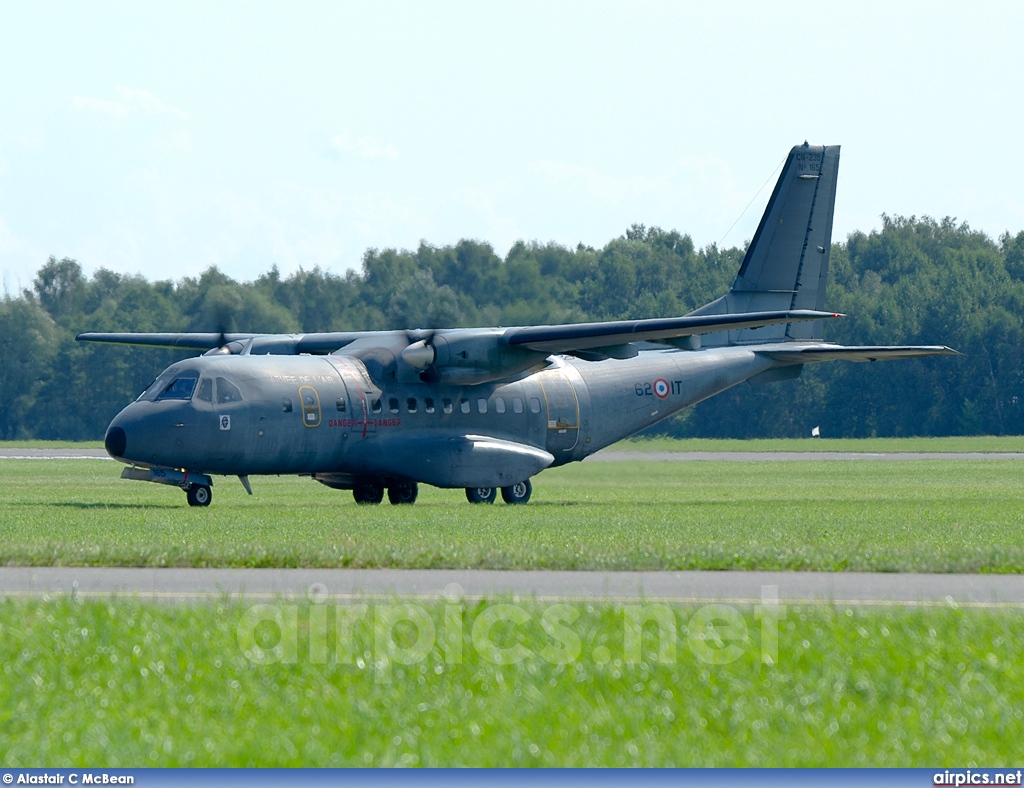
(164, 138)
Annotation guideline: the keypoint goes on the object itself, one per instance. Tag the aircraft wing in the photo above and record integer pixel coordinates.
(289, 343)
(206, 341)
(802, 355)
(547, 339)
(585, 336)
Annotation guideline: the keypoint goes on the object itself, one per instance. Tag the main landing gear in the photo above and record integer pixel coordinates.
(368, 493)
(517, 493)
(199, 495)
(398, 493)
(481, 494)
(403, 492)
(406, 492)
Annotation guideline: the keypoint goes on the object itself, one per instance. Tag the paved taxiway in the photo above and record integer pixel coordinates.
(842, 588)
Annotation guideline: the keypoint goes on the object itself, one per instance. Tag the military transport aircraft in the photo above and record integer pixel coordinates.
(485, 409)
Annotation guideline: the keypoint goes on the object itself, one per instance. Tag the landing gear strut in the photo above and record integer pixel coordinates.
(481, 494)
(517, 493)
(198, 495)
(368, 493)
(403, 492)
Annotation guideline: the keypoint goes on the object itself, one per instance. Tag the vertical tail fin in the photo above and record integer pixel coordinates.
(786, 265)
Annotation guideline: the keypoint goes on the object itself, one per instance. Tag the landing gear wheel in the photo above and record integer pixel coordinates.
(481, 494)
(198, 495)
(404, 492)
(368, 493)
(517, 493)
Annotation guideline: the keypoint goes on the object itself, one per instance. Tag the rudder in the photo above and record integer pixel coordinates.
(786, 264)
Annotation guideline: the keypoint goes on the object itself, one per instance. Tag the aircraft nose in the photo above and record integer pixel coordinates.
(115, 441)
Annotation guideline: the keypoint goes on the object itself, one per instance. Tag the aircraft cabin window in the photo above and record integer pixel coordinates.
(534, 405)
(464, 405)
(410, 404)
(499, 405)
(341, 404)
(517, 405)
(393, 404)
(481, 405)
(446, 405)
(205, 392)
(286, 405)
(179, 388)
(375, 406)
(227, 392)
(428, 404)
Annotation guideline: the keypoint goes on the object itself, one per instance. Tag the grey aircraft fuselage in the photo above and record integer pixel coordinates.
(324, 416)
(486, 408)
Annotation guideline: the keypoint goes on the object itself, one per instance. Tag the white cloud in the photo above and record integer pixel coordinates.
(130, 102)
(366, 147)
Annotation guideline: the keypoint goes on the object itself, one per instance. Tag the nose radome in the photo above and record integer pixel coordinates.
(116, 442)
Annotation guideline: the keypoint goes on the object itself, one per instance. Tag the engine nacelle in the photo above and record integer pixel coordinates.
(466, 358)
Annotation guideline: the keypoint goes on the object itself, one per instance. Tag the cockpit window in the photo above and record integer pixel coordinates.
(227, 392)
(179, 388)
(146, 390)
(205, 390)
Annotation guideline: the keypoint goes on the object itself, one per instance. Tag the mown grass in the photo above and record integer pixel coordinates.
(979, 443)
(127, 683)
(31, 444)
(920, 516)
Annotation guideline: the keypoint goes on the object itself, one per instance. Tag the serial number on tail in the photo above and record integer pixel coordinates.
(659, 387)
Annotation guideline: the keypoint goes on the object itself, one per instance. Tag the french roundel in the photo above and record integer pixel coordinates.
(661, 388)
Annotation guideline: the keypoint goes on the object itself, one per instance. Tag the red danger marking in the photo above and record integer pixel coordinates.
(661, 388)
(364, 423)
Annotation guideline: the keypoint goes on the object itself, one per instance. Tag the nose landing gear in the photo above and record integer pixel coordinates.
(198, 495)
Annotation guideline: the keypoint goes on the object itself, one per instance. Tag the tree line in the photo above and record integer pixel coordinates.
(915, 281)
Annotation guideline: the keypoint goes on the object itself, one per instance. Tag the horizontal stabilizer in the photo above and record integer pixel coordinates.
(584, 336)
(806, 355)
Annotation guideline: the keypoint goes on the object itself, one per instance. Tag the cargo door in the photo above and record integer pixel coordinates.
(563, 412)
(361, 408)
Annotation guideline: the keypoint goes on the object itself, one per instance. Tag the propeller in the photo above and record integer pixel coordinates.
(420, 353)
(223, 320)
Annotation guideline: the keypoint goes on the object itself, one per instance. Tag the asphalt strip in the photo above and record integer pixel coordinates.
(693, 587)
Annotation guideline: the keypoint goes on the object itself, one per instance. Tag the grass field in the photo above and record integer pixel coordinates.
(127, 683)
(51, 444)
(981, 443)
(923, 516)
